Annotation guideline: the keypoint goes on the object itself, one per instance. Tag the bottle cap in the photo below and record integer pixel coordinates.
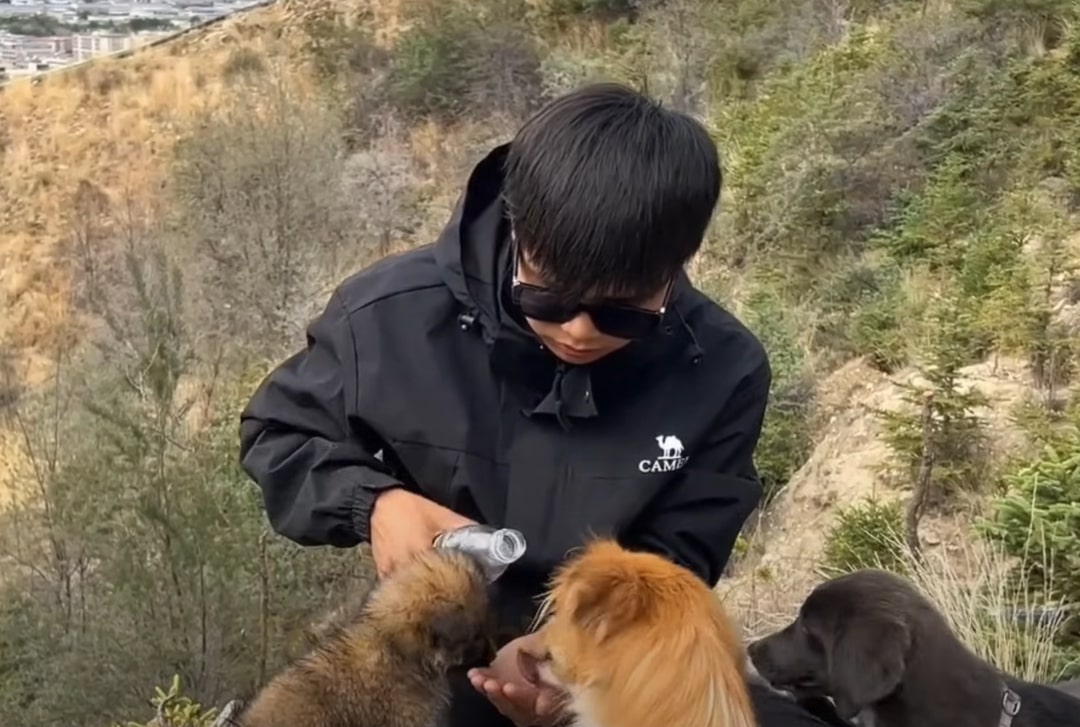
(507, 545)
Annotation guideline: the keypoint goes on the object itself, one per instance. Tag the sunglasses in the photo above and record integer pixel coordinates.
(619, 320)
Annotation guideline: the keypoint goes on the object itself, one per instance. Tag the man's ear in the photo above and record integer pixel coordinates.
(866, 663)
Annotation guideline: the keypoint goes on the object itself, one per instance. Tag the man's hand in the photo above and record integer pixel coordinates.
(525, 704)
(404, 524)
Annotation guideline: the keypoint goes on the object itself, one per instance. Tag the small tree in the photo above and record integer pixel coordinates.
(940, 440)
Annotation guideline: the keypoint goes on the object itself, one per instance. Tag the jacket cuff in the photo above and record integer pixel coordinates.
(364, 495)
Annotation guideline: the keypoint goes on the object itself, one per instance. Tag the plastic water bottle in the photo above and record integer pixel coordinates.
(495, 548)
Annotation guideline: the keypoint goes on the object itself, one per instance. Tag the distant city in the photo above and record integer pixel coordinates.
(39, 35)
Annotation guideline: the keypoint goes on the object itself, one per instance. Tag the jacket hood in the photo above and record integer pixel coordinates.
(467, 250)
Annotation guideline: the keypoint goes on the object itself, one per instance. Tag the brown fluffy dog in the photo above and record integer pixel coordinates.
(637, 641)
(387, 666)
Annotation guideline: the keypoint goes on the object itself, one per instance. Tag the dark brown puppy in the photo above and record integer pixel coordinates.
(1070, 687)
(387, 667)
(881, 650)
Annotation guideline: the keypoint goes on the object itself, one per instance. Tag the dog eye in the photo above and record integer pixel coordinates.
(812, 640)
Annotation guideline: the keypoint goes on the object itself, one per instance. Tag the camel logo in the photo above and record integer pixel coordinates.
(671, 455)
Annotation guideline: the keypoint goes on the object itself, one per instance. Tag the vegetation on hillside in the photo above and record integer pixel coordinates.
(901, 184)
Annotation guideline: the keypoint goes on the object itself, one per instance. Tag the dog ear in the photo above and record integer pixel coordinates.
(451, 630)
(866, 662)
(606, 602)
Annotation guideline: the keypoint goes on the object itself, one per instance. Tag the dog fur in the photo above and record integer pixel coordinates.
(1070, 687)
(882, 652)
(638, 641)
(387, 666)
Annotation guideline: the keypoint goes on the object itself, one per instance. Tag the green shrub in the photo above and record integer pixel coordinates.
(458, 57)
(176, 710)
(563, 10)
(145, 548)
(432, 62)
(865, 312)
(1038, 518)
(337, 44)
(1050, 18)
(866, 535)
(785, 440)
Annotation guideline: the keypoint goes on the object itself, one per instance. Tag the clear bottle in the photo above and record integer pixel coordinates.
(495, 548)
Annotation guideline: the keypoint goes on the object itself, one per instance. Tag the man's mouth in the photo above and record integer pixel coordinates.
(572, 352)
(575, 349)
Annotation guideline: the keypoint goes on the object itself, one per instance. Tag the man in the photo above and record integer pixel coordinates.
(546, 365)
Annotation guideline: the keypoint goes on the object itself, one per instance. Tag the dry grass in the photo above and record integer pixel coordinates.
(112, 123)
(976, 593)
(109, 125)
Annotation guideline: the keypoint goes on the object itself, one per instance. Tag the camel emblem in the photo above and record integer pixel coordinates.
(670, 445)
(671, 456)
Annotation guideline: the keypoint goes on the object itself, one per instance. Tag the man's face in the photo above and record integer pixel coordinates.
(578, 341)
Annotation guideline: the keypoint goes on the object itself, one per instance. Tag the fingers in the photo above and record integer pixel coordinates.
(444, 518)
(507, 706)
(383, 565)
(513, 701)
(390, 553)
(478, 676)
(547, 704)
(451, 520)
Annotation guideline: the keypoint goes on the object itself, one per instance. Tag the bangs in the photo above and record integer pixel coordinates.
(610, 195)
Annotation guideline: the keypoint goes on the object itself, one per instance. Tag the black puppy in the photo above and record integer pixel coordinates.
(1070, 687)
(882, 652)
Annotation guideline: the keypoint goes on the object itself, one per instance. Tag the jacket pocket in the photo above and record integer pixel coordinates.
(468, 484)
(429, 468)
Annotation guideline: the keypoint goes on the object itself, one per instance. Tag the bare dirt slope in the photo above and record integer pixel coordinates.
(851, 462)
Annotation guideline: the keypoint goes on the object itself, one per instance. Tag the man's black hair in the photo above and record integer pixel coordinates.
(608, 191)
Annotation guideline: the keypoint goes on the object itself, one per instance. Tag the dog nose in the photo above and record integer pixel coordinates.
(755, 650)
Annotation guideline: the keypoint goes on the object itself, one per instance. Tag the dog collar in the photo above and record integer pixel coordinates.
(1010, 707)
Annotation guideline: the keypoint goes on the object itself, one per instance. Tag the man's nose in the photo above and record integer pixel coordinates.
(580, 328)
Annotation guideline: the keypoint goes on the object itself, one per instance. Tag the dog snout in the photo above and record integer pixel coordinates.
(759, 653)
(779, 661)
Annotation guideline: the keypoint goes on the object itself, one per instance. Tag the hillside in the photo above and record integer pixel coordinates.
(898, 224)
(111, 125)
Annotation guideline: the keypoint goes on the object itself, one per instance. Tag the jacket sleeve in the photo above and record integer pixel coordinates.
(300, 441)
(697, 520)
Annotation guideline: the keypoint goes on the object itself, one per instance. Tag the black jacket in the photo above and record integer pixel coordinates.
(418, 373)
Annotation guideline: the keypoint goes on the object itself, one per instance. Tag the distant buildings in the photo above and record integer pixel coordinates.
(37, 35)
(88, 45)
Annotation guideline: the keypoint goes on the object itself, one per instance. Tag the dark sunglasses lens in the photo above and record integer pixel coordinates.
(613, 320)
(541, 305)
(624, 322)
